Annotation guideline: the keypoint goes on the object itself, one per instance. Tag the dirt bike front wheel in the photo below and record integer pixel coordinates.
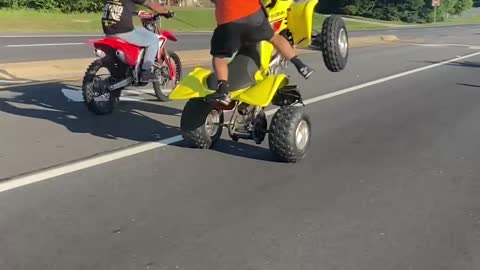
(165, 85)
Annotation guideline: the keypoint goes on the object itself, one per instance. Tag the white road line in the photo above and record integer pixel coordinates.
(52, 36)
(93, 35)
(76, 96)
(105, 158)
(45, 45)
(442, 45)
(14, 81)
(386, 79)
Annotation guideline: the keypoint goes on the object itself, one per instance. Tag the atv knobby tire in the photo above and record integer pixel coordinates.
(284, 136)
(157, 87)
(334, 43)
(193, 124)
(88, 90)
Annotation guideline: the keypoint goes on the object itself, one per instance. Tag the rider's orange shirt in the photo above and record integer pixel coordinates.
(231, 10)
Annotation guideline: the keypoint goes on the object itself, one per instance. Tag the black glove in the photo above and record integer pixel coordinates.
(170, 14)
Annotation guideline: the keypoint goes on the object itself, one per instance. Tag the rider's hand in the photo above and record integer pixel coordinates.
(145, 15)
(169, 14)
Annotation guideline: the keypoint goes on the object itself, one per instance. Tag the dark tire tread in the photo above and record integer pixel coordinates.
(282, 134)
(87, 90)
(192, 125)
(332, 57)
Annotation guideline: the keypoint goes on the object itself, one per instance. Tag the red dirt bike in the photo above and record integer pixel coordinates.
(123, 61)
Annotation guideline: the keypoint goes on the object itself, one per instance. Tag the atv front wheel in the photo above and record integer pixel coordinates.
(201, 124)
(289, 135)
(334, 43)
(98, 99)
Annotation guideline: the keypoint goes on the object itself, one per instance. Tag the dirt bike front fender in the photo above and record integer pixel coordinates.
(169, 35)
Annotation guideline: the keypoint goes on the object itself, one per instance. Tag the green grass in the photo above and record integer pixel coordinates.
(462, 20)
(379, 21)
(187, 19)
(36, 21)
(318, 21)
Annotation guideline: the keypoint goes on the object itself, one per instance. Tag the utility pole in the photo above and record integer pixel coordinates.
(435, 4)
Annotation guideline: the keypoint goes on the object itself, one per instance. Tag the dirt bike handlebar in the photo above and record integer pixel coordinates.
(150, 16)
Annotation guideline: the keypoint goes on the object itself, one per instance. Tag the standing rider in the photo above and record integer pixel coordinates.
(117, 22)
(238, 23)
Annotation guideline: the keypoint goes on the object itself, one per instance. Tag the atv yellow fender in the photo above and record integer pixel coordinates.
(194, 86)
(263, 92)
(300, 21)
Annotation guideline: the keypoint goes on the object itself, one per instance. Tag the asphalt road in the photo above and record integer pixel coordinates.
(35, 47)
(391, 181)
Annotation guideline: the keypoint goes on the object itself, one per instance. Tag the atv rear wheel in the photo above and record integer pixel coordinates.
(201, 124)
(289, 135)
(334, 43)
(94, 87)
(162, 87)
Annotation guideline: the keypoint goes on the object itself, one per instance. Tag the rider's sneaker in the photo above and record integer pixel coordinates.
(148, 76)
(219, 97)
(305, 71)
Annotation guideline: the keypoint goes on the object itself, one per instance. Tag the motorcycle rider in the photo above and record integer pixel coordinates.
(117, 22)
(238, 23)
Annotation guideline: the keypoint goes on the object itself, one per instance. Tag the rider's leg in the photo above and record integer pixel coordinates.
(283, 46)
(225, 42)
(262, 30)
(143, 38)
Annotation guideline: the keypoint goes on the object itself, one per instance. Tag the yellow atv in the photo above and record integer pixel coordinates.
(257, 81)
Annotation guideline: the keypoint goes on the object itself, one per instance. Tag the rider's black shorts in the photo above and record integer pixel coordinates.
(228, 38)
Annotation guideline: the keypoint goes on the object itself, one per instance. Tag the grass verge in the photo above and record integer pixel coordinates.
(187, 19)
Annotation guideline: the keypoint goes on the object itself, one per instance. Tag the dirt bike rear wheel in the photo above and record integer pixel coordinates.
(92, 88)
(159, 88)
(334, 43)
(201, 124)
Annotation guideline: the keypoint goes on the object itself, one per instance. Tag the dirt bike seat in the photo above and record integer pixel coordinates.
(241, 69)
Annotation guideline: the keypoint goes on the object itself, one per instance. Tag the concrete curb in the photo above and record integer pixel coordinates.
(57, 70)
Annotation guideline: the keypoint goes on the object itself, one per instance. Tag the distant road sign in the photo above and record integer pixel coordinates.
(435, 3)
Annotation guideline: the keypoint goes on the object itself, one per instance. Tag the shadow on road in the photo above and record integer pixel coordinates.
(237, 149)
(129, 121)
(245, 150)
(469, 85)
(455, 64)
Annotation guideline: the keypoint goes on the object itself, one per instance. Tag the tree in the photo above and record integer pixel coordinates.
(404, 10)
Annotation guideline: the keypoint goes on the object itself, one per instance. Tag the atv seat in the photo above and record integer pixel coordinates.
(241, 70)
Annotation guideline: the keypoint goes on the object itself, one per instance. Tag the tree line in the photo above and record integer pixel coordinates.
(66, 6)
(412, 11)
